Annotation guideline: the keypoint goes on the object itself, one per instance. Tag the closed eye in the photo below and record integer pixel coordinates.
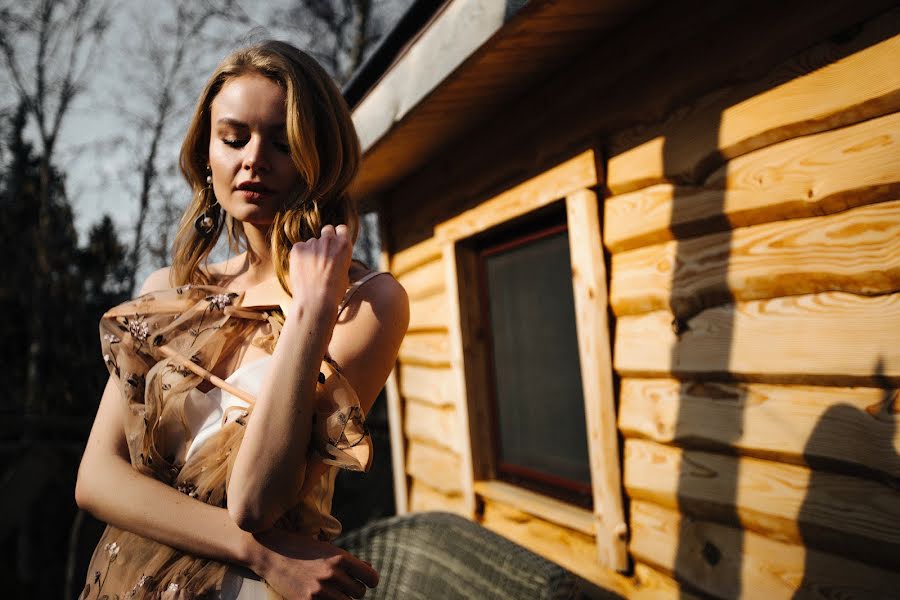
(234, 142)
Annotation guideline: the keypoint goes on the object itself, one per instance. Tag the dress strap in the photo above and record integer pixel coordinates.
(354, 287)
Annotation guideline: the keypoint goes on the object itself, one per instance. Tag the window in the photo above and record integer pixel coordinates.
(531, 361)
(539, 438)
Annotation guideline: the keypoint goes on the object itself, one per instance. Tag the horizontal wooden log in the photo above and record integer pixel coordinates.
(828, 338)
(429, 313)
(407, 259)
(435, 386)
(860, 86)
(437, 467)
(855, 251)
(423, 497)
(430, 349)
(539, 505)
(424, 280)
(436, 425)
(855, 430)
(841, 514)
(569, 548)
(650, 584)
(576, 173)
(729, 563)
(804, 177)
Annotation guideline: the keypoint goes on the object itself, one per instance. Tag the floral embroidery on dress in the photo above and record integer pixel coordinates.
(138, 340)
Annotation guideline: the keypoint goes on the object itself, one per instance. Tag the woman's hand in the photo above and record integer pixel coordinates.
(319, 267)
(302, 568)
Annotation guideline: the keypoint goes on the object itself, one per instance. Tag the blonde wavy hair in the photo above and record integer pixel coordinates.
(323, 146)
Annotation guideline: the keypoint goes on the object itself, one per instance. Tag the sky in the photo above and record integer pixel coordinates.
(102, 135)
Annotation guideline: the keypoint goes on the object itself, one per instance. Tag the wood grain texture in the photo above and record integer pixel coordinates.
(409, 258)
(458, 293)
(437, 467)
(427, 384)
(854, 430)
(436, 425)
(554, 184)
(429, 313)
(594, 347)
(475, 365)
(428, 348)
(851, 89)
(804, 177)
(844, 515)
(539, 505)
(855, 251)
(423, 497)
(711, 552)
(829, 338)
(567, 547)
(424, 280)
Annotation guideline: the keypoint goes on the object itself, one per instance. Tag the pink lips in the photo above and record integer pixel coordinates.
(253, 190)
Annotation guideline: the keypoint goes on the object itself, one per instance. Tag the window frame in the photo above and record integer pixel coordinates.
(563, 489)
(571, 183)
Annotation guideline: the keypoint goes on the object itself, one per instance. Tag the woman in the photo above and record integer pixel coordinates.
(233, 421)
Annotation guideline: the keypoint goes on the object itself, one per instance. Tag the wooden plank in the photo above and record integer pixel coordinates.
(539, 505)
(426, 498)
(436, 425)
(854, 88)
(855, 251)
(426, 384)
(589, 287)
(804, 177)
(424, 280)
(639, 83)
(845, 515)
(574, 174)
(650, 584)
(428, 313)
(392, 393)
(431, 349)
(828, 338)
(456, 293)
(474, 352)
(438, 467)
(407, 259)
(851, 429)
(569, 548)
(729, 563)
(395, 427)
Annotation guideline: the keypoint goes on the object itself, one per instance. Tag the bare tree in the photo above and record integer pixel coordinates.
(48, 48)
(169, 52)
(337, 32)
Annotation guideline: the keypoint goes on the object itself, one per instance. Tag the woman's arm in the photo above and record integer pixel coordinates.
(268, 471)
(110, 489)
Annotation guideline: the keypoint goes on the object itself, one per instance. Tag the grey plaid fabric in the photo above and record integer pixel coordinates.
(442, 556)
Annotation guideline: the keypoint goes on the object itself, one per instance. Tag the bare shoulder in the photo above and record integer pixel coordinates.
(157, 280)
(387, 299)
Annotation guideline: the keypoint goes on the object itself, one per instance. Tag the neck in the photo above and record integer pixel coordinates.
(258, 266)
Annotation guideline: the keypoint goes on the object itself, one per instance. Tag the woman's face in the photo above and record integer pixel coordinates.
(252, 171)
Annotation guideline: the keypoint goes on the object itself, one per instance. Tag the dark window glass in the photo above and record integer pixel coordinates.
(541, 437)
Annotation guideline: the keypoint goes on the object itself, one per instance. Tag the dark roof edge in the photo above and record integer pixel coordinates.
(419, 13)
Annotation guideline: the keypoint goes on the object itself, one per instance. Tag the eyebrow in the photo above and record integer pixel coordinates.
(237, 123)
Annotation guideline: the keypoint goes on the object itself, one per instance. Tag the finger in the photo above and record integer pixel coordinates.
(327, 231)
(348, 585)
(361, 570)
(342, 231)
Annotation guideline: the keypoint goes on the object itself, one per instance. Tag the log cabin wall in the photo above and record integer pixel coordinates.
(752, 232)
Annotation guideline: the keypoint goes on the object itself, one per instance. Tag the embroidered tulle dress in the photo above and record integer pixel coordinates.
(155, 348)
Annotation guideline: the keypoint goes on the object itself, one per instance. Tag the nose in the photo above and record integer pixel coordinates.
(255, 157)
